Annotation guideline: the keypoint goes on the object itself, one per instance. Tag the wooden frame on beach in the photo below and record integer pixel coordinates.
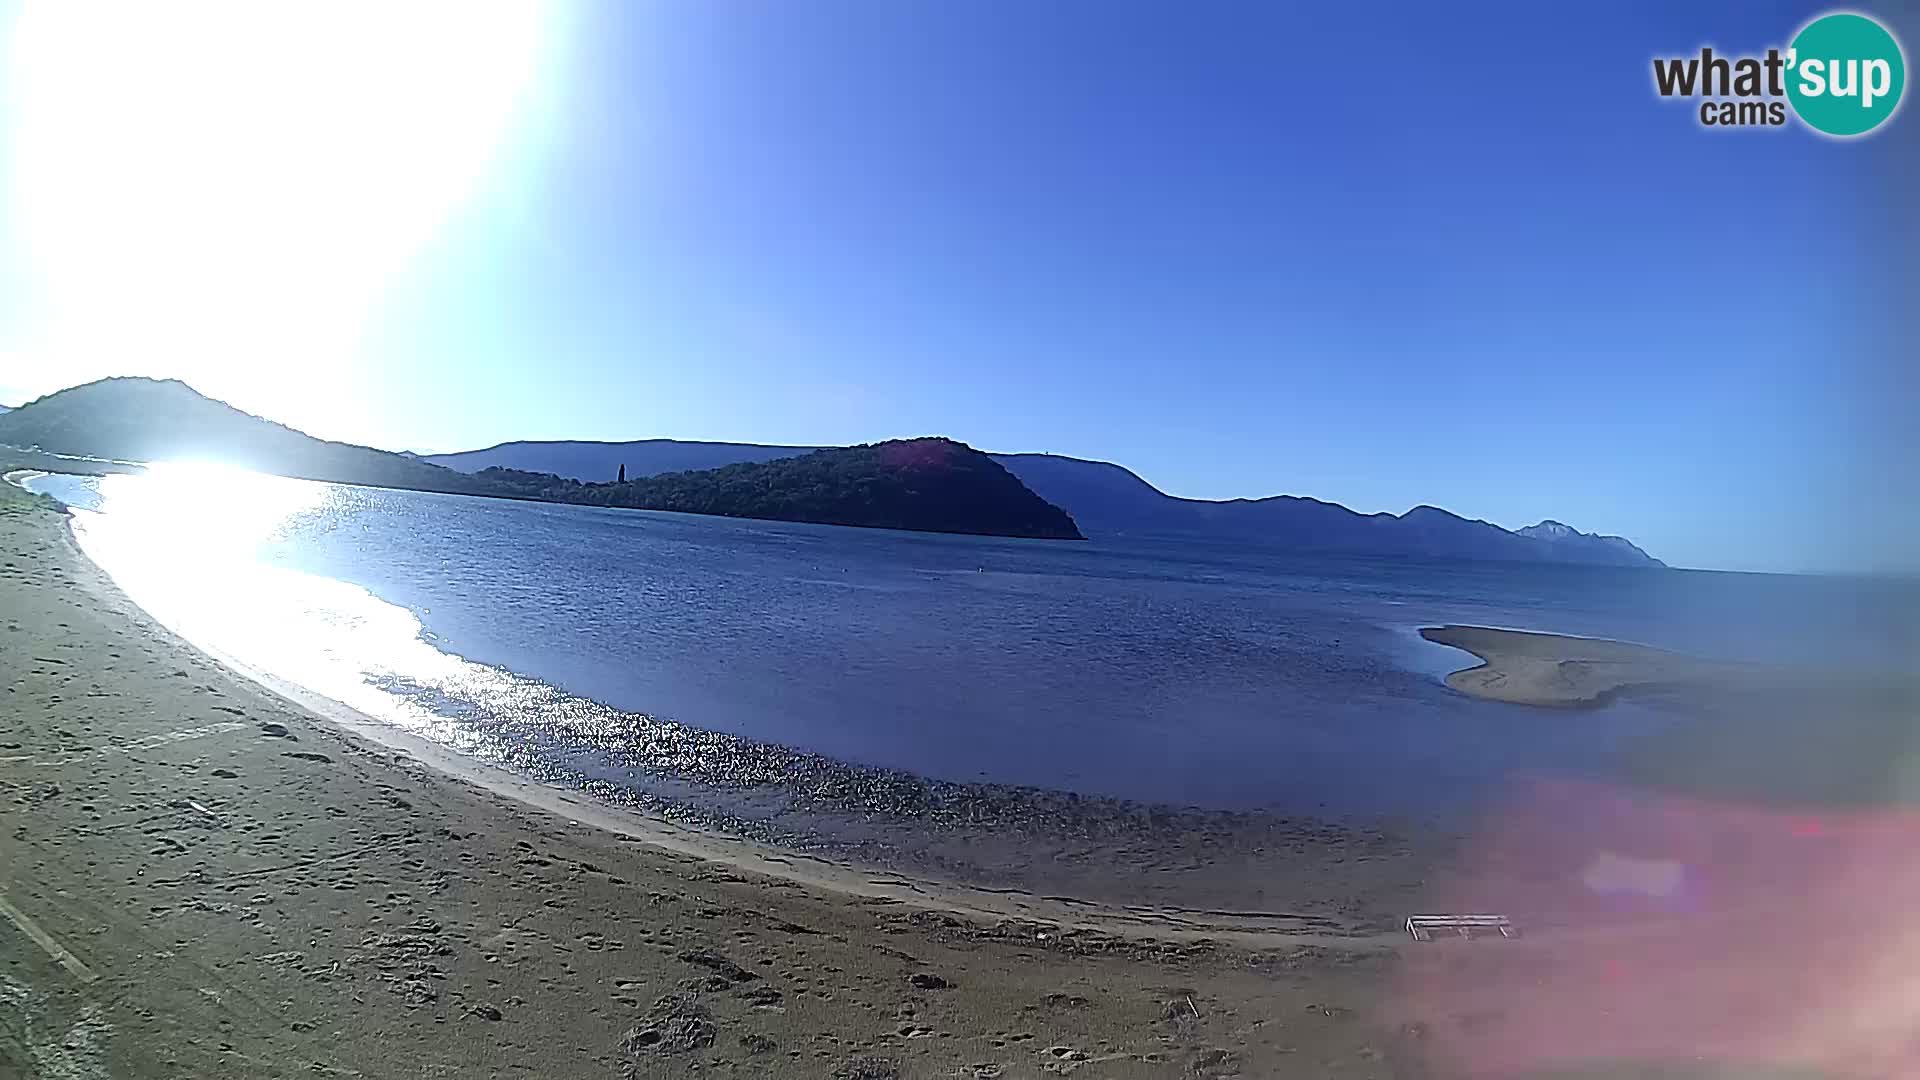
(1421, 927)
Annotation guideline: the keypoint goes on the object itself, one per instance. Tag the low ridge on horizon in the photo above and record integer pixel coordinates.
(467, 461)
(1106, 498)
(1101, 498)
(928, 484)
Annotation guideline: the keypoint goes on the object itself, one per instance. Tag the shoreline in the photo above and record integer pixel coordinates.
(1251, 929)
(258, 891)
(934, 844)
(998, 850)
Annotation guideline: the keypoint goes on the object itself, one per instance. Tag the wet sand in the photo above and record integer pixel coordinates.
(1527, 668)
(203, 878)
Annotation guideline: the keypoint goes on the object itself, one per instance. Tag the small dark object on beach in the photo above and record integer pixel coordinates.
(927, 980)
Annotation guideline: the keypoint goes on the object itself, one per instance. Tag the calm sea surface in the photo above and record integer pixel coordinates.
(1170, 672)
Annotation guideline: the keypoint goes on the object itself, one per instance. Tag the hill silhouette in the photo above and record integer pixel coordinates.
(930, 485)
(940, 486)
(1108, 500)
(134, 419)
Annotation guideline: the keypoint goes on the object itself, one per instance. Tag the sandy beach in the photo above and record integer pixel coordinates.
(203, 879)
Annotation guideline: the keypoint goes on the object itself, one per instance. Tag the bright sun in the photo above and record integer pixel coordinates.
(221, 190)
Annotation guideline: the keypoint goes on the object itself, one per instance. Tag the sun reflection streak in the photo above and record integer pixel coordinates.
(187, 542)
(198, 547)
(197, 515)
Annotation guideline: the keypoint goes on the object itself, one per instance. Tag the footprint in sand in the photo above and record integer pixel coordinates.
(761, 997)
(1063, 1059)
(1213, 1061)
(719, 965)
(758, 1044)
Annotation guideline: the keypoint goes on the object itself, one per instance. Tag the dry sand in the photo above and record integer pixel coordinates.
(200, 878)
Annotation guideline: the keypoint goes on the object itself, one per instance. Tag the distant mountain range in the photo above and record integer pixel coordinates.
(931, 484)
(1110, 500)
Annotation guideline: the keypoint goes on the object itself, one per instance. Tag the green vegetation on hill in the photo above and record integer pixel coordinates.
(930, 485)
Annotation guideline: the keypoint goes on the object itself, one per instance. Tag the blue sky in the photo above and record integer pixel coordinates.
(1380, 254)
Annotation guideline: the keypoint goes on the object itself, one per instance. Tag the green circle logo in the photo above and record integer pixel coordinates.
(1845, 74)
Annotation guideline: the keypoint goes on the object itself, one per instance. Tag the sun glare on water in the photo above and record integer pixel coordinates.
(191, 544)
(198, 516)
(184, 541)
(221, 190)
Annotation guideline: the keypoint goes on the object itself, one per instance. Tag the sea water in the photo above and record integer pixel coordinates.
(701, 658)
